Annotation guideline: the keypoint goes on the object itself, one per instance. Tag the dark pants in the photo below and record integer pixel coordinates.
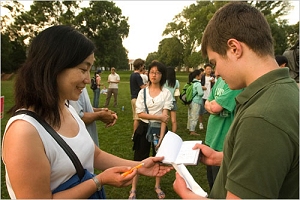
(212, 172)
(141, 145)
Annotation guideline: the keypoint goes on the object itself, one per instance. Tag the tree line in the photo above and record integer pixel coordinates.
(182, 44)
(104, 24)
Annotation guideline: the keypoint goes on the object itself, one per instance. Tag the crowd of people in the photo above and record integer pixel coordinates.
(251, 145)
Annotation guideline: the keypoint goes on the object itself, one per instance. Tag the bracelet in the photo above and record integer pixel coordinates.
(97, 182)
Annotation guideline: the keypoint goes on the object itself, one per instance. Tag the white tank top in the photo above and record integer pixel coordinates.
(62, 167)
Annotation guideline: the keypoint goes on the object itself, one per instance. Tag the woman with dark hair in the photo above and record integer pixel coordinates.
(172, 84)
(195, 105)
(96, 92)
(158, 101)
(56, 70)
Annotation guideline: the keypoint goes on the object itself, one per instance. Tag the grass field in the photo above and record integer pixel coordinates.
(116, 140)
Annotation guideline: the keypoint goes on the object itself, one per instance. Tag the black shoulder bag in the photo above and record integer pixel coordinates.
(81, 173)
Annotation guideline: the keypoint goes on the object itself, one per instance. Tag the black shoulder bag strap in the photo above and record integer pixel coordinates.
(145, 101)
(76, 162)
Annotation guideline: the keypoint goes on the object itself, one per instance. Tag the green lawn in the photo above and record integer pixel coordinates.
(116, 140)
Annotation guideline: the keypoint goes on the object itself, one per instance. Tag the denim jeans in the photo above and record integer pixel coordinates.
(96, 98)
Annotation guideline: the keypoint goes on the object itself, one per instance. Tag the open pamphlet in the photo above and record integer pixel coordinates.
(189, 180)
(177, 151)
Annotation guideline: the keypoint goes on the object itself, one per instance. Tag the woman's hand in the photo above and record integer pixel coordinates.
(158, 144)
(164, 118)
(154, 167)
(113, 177)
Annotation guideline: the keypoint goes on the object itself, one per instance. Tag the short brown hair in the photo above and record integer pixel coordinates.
(138, 63)
(242, 22)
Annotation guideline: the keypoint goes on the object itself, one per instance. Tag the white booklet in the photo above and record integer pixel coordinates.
(177, 151)
(189, 180)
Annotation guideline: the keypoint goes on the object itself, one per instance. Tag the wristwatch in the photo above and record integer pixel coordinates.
(97, 182)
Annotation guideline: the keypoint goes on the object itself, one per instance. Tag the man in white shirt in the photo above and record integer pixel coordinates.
(113, 80)
(144, 75)
(207, 82)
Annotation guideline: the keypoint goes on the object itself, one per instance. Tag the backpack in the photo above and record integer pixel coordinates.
(93, 83)
(186, 96)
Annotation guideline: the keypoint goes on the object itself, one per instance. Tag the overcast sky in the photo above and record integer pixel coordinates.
(148, 20)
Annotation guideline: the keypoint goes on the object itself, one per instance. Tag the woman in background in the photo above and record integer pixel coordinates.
(195, 105)
(97, 90)
(159, 102)
(172, 84)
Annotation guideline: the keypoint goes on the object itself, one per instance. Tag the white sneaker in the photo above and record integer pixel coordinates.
(201, 126)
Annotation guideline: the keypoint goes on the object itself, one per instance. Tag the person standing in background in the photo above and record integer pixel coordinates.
(144, 75)
(172, 84)
(136, 84)
(113, 80)
(89, 115)
(221, 105)
(207, 82)
(97, 90)
(159, 101)
(292, 55)
(281, 60)
(195, 105)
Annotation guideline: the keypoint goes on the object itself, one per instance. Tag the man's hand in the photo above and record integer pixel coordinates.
(108, 117)
(208, 156)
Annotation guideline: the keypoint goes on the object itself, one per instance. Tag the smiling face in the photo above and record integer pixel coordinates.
(71, 81)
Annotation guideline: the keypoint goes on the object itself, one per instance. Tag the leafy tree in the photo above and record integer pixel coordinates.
(21, 26)
(151, 56)
(189, 25)
(170, 52)
(6, 51)
(12, 47)
(292, 34)
(103, 23)
(273, 10)
(43, 14)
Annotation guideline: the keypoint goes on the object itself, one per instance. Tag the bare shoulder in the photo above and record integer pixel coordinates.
(24, 156)
(20, 138)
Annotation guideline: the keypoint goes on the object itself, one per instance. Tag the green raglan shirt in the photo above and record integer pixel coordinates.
(218, 124)
(261, 149)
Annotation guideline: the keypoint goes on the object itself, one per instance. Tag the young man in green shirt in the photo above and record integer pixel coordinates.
(260, 158)
(221, 105)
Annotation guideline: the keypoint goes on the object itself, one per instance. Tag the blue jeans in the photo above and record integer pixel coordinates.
(96, 98)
